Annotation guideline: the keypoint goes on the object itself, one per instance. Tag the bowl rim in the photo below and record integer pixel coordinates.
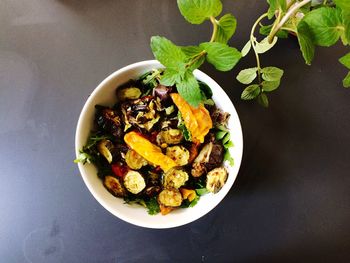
(80, 123)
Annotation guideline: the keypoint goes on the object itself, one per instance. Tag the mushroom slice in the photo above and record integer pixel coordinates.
(134, 182)
(216, 179)
(179, 154)
(134, 160)
(170, 197)
(175, 178)
(106, 147)
(114, 186)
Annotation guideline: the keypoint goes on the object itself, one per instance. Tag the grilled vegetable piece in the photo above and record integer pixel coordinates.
(188, 194)
(128, 93)
(175, 178)
(134, 160)
(197, 120)
(114, 186)
(164, 210)
(141, 113)
(211, 156)
(170, 197)
(152, 190)
(170, 136)
(106, 148)
(179, 154)
(216, 179)
(109, 121)
(134, 182)
(163, 93)
(193, 152)
(152, 153)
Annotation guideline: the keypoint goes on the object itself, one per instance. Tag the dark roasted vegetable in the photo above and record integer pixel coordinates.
(163, 93)
(114, 186)
(106, 149)
(209, 157)
(128, 93)
(108, 121)
(141, 113)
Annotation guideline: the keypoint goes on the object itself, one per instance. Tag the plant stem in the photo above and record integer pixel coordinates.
(195, 58)
(293, 9)
(252, 41)
(215, 29)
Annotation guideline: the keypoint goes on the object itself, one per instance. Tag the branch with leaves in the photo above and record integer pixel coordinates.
(313, 22)
(181, 61)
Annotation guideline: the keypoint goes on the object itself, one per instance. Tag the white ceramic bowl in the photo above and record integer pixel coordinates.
(104, 94)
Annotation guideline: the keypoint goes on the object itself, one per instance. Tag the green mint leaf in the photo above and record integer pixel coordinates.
(170, 77)
(275, 5)
(272, 73)
(270, 85)
(152, 206)
(306, 44)
(197, 11)
(250, 92)
(223, 57)
(246, 48)
(247, 76)
(265, 30)
(343, 4)
(167, 53)
(226, 28)
(325, 25)
(264, 45)
(346, 81)
(345, 60)
(263, 100)
(346, 23)
(192, 53)
(189, 89)
(206, 90)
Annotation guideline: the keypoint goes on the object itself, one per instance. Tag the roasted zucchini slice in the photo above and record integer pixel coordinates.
(106, 147)
(134, 182)
(179, 154)
(170, 197)
(216, 179)
(175, 178)
(134, 160)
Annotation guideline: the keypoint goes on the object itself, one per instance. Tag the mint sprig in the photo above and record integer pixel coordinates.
(181, 61)
(313, 22)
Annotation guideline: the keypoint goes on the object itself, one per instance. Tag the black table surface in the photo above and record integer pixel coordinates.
(291, 199)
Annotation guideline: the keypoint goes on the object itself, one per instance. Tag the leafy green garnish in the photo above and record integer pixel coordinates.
(202, 191)
(181, 125)
(180, 62)
(152, 206)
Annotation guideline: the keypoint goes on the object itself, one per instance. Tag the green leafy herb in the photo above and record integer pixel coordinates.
(181, 125)
(272, 74)
(202, 191)
(152, 206)
(250, 92)
(180, 62)
(306, 43)
(246, 76)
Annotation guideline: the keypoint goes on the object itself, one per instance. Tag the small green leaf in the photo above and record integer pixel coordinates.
(306, 44)
(191, 51)
(264, 45)
(228, 144)
(270, 85)
(201, 191)
(272, 73)
(263, 100)
(196, 11)
(346, 23)
(226, 28)
(325, 25)
(226, 139)
(346, 81)
(250, 92)
(343, 4)
(189, 89)
(247, 76)
(223, 57)
(265, 30)
(246, 48)
(345, 60)
(170, 55)
(206, 90)
(170, 77)
(275, 5)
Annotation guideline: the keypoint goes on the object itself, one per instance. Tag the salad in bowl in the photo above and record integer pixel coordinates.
(150, 157)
